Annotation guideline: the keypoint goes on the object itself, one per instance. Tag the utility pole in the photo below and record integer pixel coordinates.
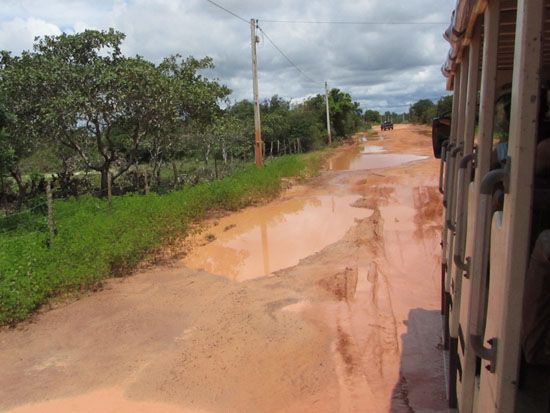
(258, 147)
(328, 114)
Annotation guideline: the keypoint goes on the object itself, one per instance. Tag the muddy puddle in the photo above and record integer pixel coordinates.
(259, 241)
(371, 158)
(373, 149)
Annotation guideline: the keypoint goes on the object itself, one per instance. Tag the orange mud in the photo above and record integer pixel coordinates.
(347, 321)
(261, 240)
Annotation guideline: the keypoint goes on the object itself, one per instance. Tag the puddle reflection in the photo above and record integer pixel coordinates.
(275, 236)
(373, 149)
(370, 158)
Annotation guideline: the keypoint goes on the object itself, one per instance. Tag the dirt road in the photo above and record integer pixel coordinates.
(346, 320)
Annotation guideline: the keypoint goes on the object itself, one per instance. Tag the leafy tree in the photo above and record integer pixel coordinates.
(12, 150)
(345, 114)
(197, 97)
(196, 105)
(305, 125)
(445, 105)
(7, 156)
(80, 92)
(275, 121)
(372, 116)
(423, 111)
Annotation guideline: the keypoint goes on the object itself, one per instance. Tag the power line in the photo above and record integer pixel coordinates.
(228, 11)
(391, 106)
(344, 22)
(304, 74)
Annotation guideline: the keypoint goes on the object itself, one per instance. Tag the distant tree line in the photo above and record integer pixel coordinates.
(76, 104)
(422, 111)
(373, 116)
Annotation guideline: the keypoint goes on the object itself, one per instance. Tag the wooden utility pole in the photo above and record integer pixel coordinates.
(258, 147)
(328, 114)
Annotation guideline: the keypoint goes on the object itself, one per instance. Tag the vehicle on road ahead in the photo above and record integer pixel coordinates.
(386, 125)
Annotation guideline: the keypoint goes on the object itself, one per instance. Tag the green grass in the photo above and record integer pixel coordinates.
(94, 242)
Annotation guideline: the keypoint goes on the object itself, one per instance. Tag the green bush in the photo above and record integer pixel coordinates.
(94, 242)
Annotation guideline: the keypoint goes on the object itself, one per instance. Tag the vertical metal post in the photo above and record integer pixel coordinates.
(258, 147)
(328, 114)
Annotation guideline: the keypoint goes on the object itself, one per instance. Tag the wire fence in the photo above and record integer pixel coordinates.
(38, 209)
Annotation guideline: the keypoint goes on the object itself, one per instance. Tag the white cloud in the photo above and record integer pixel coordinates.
(18, 34)
(378, 64)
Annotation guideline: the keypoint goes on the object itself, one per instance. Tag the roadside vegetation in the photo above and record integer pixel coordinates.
(79, 117)
(94, 240)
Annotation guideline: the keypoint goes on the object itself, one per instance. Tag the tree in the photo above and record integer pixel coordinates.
(345, 114)
(13, 149)
(445, 105)
(423, 111)
(275, 122)
(305, 125)
(80, 92)
(195, 106)
(372, 116)
(197, 97)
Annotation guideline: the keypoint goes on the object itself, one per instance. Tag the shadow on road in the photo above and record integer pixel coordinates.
(421, 385)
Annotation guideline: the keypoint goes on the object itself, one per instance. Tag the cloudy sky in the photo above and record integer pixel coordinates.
(383, 66)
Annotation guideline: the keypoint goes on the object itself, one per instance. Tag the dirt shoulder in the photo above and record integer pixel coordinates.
(351, 327)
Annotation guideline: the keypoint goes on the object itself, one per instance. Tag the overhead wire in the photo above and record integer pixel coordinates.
(288, 59)
(345, 22)
(390, 106)
(228, 11)
(304, 74)
(338, 22)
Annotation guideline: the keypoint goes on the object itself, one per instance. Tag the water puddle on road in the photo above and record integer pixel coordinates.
(370, 158)
(259, 241)
(373, 149)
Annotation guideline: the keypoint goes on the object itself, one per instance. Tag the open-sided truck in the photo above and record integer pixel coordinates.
(495, 181)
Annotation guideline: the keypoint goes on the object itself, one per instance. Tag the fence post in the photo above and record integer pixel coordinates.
(146, 180)
(49, 201)
(175, 171)
(109, 189)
